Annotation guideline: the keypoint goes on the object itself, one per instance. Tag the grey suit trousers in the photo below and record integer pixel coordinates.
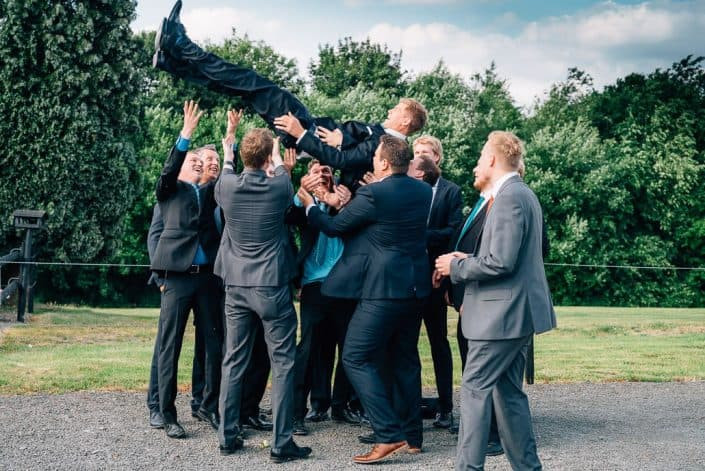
(493, 372)
(274, 306)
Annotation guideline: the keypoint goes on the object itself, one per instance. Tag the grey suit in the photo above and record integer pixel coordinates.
(506, 301)
(256, 263)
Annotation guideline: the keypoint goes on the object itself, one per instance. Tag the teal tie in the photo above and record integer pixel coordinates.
(469, 220)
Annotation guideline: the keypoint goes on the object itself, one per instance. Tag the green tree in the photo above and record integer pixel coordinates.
(68, 84)
(342, 67)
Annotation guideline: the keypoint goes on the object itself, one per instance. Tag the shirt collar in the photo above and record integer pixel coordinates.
(395, 133)
(498, 184)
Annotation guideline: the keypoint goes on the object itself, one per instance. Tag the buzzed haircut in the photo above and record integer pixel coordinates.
(431, 171)
(509, 146)
(396, 151)
(256, 147)
(433, 142)
(417, 114)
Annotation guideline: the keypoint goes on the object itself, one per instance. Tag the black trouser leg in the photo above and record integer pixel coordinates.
(406, 373)
(265, 97)
(153, 388)
(254, 382)
(372, 326)
(343, 391)
(435, 317)
(209, 322)
(322, 363)
(177, 300)
(311, 315)
(198, 374)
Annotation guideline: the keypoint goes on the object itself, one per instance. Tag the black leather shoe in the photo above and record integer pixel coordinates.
(365, 421)
(299, 428)
(368, 438)
(317, 416)
(257, 423)
(175, 12)
(174, 430)
(494, 449)
(167, 34)
(156, 420)
(443, 420)
(232, 448)
(210, 418)
(345, 415)
(289, 452)
(454, 429)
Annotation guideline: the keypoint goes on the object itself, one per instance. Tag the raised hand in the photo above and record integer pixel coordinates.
(329, 198)
(191, 116)
(290, 124)
(343, 193)
(289, 159)
(234, 118)
(332, 138)
(310, 182)
(305, 197)
(368, 178)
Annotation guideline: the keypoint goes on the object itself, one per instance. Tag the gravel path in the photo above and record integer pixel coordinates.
(617, 426)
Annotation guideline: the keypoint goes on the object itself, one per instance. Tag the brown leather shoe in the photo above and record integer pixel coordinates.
(381, 451)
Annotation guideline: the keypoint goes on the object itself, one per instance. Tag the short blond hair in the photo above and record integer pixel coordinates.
(433, 142)
(417, 114)
(509, 146)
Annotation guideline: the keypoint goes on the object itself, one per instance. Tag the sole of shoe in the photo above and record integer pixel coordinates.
(300, 433)
(401, 449)
(177, 435)
(412, 450)
(156, 426)
(284, 459)
(158, 36)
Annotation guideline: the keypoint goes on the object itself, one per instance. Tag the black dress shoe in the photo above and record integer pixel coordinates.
(494, 449)
(232, 448)
(257, 423)
(299, 428)
(345, 415)
(156, 420)
(443, 420)
(368, 438)
(175, 12)
(454, 429)
(317, 416)
(174, 430)
(167, 34)
(210, 418)
(289, 452)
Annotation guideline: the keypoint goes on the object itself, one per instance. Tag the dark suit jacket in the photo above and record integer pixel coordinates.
(468, 244)
(384, 228)
(354, 158)
(445, 219)
(186, 224)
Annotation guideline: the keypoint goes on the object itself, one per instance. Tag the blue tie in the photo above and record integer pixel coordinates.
(469, 220)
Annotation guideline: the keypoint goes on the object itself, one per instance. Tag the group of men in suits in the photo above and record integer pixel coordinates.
(377, 254)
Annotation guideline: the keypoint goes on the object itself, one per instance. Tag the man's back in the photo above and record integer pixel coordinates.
(254, 250)
(385, 258)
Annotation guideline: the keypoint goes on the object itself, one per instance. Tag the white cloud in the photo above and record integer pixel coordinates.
(607, 41)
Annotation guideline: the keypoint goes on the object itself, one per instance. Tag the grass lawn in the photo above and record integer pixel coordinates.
(67, 348)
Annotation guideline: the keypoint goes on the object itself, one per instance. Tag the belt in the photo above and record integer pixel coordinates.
(192, 270)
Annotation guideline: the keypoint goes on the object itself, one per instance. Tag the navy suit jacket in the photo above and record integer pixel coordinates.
(384, 229)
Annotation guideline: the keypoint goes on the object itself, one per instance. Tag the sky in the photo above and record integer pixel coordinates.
(532, 42)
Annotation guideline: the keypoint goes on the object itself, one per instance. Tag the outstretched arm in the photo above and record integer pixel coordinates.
(358, 213)
(166, 184)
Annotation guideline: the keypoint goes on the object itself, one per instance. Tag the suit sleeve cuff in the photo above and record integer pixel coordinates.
(308, 208)
(301, 137)
(182, 143)
(454, 267)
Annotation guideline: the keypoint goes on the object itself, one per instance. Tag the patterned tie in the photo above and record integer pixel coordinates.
(469, 220)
